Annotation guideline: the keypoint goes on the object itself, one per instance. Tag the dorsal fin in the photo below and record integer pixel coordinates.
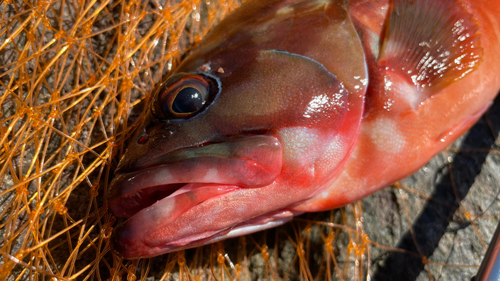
(432, 42)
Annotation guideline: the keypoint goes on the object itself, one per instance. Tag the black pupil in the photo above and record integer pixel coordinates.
(188, 100)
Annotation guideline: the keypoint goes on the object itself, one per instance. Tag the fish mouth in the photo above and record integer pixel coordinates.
(157, 195)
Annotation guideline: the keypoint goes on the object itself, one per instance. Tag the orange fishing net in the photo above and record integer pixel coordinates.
(72, 73)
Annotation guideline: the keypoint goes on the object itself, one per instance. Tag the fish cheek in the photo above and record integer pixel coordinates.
(291, 96)
(279, 90)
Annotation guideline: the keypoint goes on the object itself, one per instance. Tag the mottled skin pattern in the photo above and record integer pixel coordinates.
(305, 117)
(395, 142)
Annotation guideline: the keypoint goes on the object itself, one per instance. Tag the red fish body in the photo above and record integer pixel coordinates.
(292, 106)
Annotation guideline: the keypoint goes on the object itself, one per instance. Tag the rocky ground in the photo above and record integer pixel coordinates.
(460, 182)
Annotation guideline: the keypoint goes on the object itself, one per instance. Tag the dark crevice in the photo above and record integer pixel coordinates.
(147, 196)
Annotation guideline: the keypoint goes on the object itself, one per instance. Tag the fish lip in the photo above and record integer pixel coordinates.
(122, 249)
(262, 222)
(134, 199)
(245, 161)
(180, 153)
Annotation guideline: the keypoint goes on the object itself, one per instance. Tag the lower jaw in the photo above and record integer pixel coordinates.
(266, 221)
(269, 220)
(131, 238)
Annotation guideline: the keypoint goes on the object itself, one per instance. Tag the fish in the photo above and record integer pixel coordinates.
(293, 106)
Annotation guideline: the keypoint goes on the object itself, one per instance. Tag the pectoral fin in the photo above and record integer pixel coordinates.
(430, 44)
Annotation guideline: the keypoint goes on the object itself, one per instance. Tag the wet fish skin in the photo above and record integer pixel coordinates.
(314, 99)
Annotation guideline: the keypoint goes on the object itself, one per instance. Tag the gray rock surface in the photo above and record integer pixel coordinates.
(462, 181)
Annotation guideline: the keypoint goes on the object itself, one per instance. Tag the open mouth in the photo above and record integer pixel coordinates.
(203, 172)
(169, 194)
(154, 197)
(176, 198)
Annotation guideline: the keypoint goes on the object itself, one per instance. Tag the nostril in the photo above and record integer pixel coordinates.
(142, 139)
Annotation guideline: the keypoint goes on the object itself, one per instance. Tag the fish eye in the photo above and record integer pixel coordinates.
(187, 100)
(184, 96)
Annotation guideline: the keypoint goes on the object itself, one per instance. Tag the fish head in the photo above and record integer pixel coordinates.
(232, 139)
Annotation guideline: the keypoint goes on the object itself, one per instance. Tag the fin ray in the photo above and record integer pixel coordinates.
(432, 43)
